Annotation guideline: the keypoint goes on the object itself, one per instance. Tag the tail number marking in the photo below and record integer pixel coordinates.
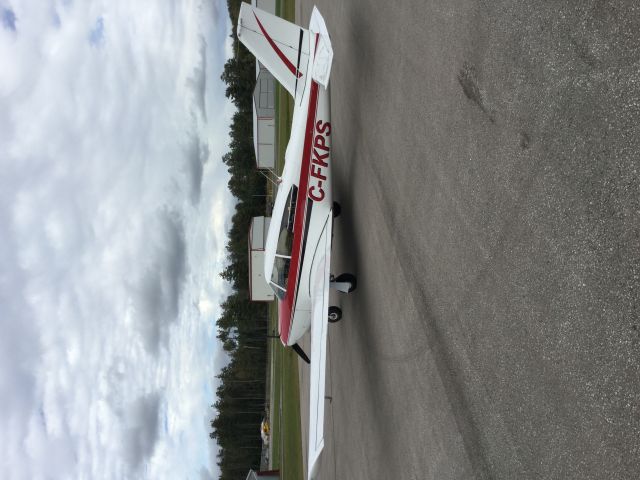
(321, 146)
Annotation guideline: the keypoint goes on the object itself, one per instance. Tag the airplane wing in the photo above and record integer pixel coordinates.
(318, 367)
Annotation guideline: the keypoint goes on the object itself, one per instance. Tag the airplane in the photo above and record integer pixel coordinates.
(298, 245)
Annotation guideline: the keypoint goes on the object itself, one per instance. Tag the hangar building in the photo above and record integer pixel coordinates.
(259, 289)
(264, 107)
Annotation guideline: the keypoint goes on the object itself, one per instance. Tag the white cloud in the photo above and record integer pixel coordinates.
(113, 215)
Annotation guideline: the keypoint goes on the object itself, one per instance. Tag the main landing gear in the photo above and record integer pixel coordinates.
(335, 314)
(345, 283)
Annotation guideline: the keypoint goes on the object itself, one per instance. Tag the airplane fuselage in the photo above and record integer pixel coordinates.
(308, 168)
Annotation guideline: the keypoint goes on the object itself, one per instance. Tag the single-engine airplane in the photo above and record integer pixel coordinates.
(298, 245)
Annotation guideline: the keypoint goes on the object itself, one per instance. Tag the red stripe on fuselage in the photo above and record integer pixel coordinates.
(285, 310)
(276, 49)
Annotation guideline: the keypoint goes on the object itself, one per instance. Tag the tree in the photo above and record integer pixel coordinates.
(240, 403)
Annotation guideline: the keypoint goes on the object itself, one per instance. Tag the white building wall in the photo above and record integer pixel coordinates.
(266, 5)
(266, 154)
(264, 128)
(259, 288)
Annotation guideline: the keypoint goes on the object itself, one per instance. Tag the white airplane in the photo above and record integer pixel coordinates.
(298, 245)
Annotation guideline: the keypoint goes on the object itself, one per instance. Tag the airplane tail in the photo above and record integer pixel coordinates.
(281, 46)
(285, 48)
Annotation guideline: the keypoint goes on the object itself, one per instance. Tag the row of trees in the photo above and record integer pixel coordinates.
(242, 326)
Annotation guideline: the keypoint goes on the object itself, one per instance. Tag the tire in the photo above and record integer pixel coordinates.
(336, 210)
(335, 314)
(349, 278)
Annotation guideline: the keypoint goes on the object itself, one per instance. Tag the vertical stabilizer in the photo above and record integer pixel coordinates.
(281, 46)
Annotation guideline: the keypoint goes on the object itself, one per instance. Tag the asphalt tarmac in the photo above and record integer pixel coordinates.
(487, 159)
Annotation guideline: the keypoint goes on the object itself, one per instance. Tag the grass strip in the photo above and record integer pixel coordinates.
(286, 453)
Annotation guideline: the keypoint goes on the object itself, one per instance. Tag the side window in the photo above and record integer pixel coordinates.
(279, 276)
(280, 272)
(285, 238)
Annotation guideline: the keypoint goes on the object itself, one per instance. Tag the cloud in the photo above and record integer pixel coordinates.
(157, 293)
(141, 432)
(205, 475)
(96, 35)
(197, 154)
(198, 80)
(106, 199)
(8, 19)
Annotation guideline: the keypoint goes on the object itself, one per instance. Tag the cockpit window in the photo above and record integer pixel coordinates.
(280, 272)
(279, 276)
(285, 238)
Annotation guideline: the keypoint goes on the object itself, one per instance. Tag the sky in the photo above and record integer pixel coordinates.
(113, 218)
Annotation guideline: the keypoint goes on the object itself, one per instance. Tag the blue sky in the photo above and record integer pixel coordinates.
(113, 219)
(8, 19)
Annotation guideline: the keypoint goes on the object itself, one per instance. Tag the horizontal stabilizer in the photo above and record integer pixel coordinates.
(281, 46)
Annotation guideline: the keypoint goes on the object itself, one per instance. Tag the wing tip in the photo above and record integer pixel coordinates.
(314, 463)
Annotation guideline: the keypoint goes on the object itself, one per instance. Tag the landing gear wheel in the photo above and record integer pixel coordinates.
(335, 314)
(348, 278)
(336, 209)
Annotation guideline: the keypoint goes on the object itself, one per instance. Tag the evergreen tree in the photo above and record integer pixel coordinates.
(242, 329)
